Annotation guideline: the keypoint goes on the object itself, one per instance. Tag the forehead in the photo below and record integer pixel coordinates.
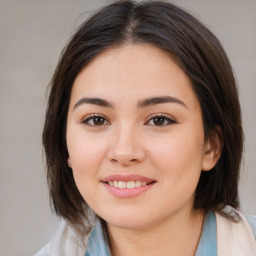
(136, 71)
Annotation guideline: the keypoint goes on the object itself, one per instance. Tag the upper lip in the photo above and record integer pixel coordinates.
(126, 178)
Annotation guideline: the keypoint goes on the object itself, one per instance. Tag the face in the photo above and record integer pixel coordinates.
(135, 137)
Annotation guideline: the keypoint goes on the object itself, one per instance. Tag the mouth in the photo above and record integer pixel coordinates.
(130, 184)
(127, 186)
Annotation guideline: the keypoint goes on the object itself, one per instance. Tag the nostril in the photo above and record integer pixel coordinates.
(125, 162)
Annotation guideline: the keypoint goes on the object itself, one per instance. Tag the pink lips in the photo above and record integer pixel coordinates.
(127, 192)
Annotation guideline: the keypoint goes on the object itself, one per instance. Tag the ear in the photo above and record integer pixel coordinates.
(213, 149)
(69, 162)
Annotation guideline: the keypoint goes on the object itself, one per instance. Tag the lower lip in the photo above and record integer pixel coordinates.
(128, 192)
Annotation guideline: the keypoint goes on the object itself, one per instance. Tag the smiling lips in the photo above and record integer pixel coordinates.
(126, 186)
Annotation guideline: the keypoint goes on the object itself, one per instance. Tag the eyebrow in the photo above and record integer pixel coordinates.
(94, 101)
(142, 103)
(159, 100)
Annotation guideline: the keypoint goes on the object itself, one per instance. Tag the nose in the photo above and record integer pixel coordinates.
(126, 148)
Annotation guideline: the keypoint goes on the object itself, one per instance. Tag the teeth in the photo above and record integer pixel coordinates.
(138, 184)
(122, 184)
(129, 184)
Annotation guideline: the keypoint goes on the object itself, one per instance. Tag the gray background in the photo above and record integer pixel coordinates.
(32, 36)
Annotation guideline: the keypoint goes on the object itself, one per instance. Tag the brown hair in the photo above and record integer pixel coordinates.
(199, 54)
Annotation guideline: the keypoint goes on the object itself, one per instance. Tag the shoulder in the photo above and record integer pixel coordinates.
(235, 237)
(252, 222)
(65, 242)
(246, 221)
(45, 251)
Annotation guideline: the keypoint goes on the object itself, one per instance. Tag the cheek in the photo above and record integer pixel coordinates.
(178, 163)
(179, 155)
(86, 153)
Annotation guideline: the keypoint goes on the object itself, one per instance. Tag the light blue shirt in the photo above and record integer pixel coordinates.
(97, 246)
(207, 244)
(208, 240)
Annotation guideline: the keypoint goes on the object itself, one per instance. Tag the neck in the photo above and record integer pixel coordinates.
(178, 235)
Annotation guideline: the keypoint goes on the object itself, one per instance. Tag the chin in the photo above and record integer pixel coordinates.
(129, 221)
(128, 224)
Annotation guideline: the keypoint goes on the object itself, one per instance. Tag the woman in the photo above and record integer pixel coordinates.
(143, 138)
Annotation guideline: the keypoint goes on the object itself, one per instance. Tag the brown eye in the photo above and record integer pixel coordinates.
(95, 120)
(159, 120)
(98, 121)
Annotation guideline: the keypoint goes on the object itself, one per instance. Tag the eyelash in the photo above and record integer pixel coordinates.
(92, 117)
(150, 118)
(166, 118)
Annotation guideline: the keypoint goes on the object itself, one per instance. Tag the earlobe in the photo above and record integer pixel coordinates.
(69, 162)
(213, 149)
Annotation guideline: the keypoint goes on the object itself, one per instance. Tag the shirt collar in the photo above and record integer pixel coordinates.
(208, 240)
(98, 246)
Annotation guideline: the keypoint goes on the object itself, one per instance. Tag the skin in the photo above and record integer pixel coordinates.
(128, 140)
